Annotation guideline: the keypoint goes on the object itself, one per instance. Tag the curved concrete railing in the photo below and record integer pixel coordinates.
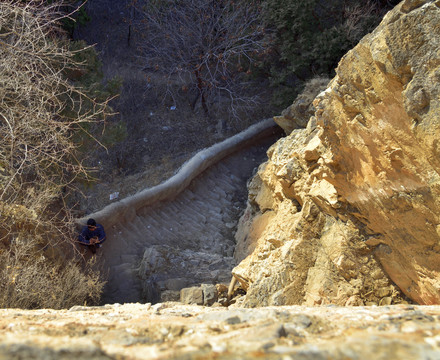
(125, 209)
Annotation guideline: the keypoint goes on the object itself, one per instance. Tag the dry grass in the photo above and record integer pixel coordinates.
(29, 279)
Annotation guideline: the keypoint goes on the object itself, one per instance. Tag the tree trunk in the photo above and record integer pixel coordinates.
(201, 90)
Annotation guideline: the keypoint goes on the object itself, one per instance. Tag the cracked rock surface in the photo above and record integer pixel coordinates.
(175, 331)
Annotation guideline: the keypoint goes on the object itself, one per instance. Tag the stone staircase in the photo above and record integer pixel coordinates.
(165, 240)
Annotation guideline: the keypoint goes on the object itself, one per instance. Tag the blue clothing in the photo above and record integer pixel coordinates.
(87, 234)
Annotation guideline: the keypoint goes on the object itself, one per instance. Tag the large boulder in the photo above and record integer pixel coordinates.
(297, 115)
(165, 270)
(347, 210)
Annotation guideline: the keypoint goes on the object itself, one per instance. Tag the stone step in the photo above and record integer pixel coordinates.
(196, 220)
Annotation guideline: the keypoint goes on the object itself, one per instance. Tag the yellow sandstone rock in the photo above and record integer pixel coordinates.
(354, 199)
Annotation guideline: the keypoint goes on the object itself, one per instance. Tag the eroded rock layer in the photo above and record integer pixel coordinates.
(347, 210)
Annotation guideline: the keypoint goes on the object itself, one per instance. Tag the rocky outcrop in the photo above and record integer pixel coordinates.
(346, 211)
(173, 331)
(165, 268)
(298, 114)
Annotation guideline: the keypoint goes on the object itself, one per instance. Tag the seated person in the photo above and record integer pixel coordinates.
(92, 235)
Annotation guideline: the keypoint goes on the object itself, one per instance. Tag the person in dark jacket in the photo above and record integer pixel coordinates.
(92, 235)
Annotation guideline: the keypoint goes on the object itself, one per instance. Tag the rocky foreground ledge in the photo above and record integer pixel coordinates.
(176, 331)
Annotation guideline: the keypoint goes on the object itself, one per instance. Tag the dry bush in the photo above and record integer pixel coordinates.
(40, 114)
(29, 279)
(39, 108)
(359, 16)
(203, 49)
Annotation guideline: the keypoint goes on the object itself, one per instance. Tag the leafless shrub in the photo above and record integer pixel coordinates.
(358, 16)
(29, 279)
(202, 48)
(39, 109)
(40, 114)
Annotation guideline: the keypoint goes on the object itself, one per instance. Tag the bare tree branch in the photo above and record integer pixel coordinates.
(40, 109)
(40, 114)
(202, 46)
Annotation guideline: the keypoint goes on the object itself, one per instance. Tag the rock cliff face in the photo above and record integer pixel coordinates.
(346, 211)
